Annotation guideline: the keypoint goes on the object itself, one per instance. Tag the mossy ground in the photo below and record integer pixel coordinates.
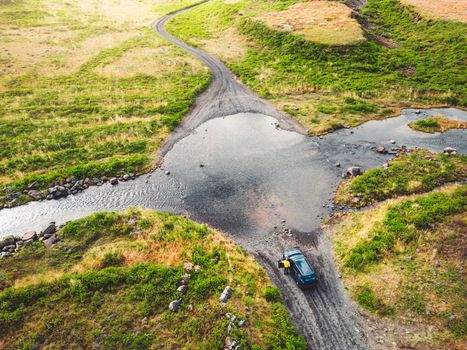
(407, 61)
(417, 172)
(403, 260)
(437, 123)
(71, 102)
(109, 281)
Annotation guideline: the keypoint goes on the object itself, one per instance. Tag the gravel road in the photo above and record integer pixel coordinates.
(325, 316)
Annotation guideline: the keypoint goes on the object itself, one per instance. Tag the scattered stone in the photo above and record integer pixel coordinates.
(37, 195)
(450, 150)
(50, 230)
(167, 173)
(437, 263)
(382, 150)
(392, 142)
(201, 165)
(355, 200)
(175, 305)
(113, 181)
(197, 268)
(190, 307)
(51, 241)
(7, 241)
(337, 165)
(188, 266)
(451, 317)
(126, 177)
(417, 111)
(29, 236)
(242, 323)
(144, 321)
(183, 289)
(226, 294)
(354, 171)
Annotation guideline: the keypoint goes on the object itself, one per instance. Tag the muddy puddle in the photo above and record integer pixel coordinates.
(243, 175)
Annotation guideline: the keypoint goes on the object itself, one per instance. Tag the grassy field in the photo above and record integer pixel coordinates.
(110, 279)
(403, 260)
(438, 123)
(443, 9)
(87, 89)
(407, 61)
(416, 172)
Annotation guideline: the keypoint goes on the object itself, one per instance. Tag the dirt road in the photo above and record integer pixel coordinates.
(325, 316)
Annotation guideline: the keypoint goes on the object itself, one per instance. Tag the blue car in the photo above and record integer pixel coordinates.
(301, 269)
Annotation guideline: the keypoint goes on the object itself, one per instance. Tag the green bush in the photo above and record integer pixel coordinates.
(112, 259)
(370, 301)
(272, 294)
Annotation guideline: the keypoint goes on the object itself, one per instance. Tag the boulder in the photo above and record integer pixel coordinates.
(51, 229)
(226, 294)
(33, 186)
(35, 194)
(449, 150)
(354, 171)
(32, 235)
(51, 241)
(175, 305)
(183, 289)
(381, 149)
(8, 240)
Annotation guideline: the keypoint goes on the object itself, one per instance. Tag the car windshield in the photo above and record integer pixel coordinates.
(303, 267)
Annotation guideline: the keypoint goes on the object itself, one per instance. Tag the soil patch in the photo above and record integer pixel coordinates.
(321, 21)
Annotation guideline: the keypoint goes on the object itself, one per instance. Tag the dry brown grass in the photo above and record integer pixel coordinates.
(325, 22)
(455, 10)
(442, 124)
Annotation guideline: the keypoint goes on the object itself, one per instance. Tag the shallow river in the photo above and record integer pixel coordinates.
(242, 174)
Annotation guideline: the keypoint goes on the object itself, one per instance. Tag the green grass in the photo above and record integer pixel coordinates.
(93, 287)
(437, 124)
(404, 260)
(77, 122)
(417, 172)
(405, 223)
(281, 66)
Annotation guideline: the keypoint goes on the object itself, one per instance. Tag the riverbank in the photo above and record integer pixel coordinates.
(137, 280)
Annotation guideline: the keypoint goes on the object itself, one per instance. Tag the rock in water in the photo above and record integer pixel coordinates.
(226, 294)
(381, 149)
(449, 150)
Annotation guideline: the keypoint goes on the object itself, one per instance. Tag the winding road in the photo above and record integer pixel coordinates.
(266, 187)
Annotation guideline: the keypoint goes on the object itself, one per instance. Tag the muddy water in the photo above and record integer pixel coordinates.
(243, 175)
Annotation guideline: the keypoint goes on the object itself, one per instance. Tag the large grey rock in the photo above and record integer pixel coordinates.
(8, 240)
(381, 149)
(449, 150)
(183, 289)
(51, 229)
(32, 235)
(175, 305)
(51, 241)
(35, 194)
(226, 294)
(354, 171)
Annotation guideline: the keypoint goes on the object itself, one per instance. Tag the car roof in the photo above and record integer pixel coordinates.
(292, 251)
